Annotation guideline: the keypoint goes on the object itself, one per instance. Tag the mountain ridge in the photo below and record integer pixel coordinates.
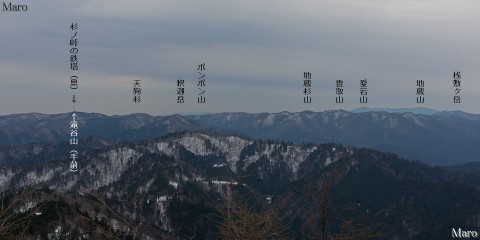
(173, 177)
(444, 138)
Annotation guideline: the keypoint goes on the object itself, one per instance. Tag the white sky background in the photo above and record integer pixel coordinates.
(255, 54)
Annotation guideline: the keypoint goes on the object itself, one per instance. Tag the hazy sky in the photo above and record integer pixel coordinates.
(255, 54)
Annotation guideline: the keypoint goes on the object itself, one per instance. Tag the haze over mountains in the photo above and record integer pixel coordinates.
(442, 138)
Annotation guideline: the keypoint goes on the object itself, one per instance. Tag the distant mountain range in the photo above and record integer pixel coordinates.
(173, 187)
(418, 110)
(442, 138)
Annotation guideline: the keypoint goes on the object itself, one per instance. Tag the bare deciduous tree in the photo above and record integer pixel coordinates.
(131, 225)
(240, 221)
(13, 222)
